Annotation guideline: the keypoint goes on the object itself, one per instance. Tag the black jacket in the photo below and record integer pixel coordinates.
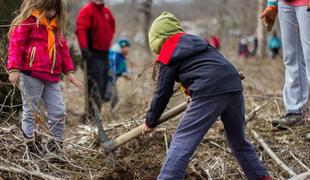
(198, 66)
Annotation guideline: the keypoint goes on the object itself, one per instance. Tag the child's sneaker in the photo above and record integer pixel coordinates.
(289, 119)
(266, 178)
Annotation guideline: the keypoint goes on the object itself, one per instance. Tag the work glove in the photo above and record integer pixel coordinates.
(269, 17)
(86, 54)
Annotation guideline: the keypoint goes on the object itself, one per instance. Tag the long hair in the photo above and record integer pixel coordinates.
(44, 6)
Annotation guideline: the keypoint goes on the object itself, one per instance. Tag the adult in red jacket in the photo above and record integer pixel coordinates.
(95, 31)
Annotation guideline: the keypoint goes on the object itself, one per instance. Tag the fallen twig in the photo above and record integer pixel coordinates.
(272, 154)
(252, 114)
(300, 162)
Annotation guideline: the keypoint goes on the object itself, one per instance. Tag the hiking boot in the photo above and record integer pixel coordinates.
(288, 120)
(266, 178)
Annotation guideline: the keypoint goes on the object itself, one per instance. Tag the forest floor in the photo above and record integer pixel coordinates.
(143, 157)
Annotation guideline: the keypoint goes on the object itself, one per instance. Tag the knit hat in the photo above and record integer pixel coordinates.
(123, 43)
(163, 27)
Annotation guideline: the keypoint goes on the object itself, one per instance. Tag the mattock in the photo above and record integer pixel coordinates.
(110, 145)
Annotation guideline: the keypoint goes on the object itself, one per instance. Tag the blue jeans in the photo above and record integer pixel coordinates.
(295, 31)
(198, 119)
(32, 90)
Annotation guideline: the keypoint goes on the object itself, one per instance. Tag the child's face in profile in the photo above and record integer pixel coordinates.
(51, 14)
(125, 51)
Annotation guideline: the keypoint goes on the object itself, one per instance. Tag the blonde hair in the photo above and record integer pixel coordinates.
(43, 6)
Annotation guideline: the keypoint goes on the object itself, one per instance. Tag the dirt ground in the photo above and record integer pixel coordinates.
(143, 157)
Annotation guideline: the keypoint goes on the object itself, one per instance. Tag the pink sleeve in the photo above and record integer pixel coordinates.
(67, 64)
(18, 46)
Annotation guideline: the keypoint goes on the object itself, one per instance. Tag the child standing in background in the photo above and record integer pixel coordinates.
(37, 55)
(118, 68)
(274, 45)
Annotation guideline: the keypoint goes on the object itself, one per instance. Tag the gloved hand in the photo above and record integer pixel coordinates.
(269, 17)
(86, 54)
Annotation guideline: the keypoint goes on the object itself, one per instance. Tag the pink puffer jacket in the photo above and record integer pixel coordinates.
(28, 50)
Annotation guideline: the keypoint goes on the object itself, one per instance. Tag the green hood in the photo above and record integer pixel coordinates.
(163, 27)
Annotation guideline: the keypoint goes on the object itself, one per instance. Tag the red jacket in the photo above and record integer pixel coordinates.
(28, 51)
(95, 27)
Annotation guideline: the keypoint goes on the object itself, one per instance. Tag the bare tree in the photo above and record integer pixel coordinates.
(261, 33)
(145, 9)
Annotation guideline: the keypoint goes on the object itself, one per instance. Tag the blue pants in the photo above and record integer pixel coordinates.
(196, 122)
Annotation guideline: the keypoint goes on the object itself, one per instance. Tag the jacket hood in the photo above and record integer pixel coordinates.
(180, 47)
(163, 27)
(116, 48)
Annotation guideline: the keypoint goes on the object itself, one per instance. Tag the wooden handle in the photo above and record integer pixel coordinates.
(134, 133)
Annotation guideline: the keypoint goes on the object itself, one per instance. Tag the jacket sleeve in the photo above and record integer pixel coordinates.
(112, 23)
(67, 64)
(17, 50)
(273, 2)
(83, 26)
(162, 95)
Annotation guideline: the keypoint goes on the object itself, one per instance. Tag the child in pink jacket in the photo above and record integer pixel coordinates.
(37, 55)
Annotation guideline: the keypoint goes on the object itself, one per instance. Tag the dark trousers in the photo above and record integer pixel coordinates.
(274, 52)
(97, 73)
(198, 119)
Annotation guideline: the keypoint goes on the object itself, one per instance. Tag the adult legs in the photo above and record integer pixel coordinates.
(295, 92)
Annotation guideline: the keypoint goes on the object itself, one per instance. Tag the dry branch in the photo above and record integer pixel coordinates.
(37, 174)
(272, 154)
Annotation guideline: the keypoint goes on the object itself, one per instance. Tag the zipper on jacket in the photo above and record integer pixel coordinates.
(32, 55)
(54, 60)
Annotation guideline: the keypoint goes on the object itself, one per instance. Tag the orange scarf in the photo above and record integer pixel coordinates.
(50, 27)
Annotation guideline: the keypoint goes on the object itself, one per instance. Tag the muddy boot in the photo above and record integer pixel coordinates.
(288, 120)
(55, 152)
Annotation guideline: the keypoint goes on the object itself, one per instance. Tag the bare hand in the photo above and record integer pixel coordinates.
(71, 78)
(146, 129)
(14, 78)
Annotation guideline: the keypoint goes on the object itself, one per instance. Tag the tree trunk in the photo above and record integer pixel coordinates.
(146, 14)
(261, 32)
